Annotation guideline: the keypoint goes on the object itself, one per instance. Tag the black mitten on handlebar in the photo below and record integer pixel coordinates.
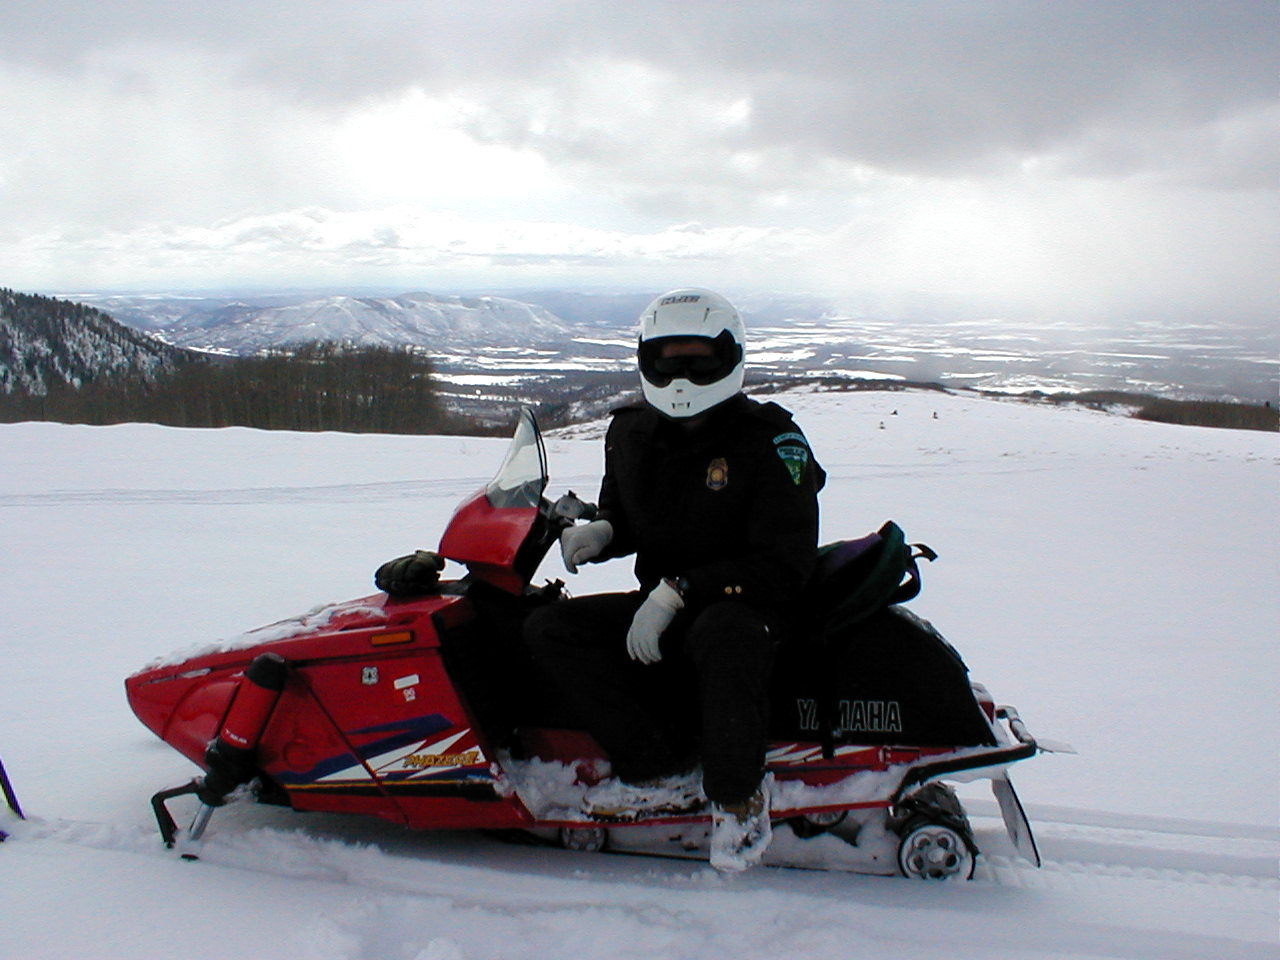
(409, 576)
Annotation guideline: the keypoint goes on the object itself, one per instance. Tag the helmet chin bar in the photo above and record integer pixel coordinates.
(681, 400)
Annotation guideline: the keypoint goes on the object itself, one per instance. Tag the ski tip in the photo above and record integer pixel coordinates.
(1056, 746)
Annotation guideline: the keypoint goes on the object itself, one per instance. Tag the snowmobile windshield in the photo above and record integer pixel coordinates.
(522, 477)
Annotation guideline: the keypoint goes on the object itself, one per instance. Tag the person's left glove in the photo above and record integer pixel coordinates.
(653, 617)
(410, 576)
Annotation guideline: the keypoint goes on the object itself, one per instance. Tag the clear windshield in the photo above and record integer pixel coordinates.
(523, 474)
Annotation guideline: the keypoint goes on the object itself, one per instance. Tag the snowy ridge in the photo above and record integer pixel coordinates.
(414, 319)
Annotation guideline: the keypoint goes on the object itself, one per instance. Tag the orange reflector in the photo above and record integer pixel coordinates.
(384, 639)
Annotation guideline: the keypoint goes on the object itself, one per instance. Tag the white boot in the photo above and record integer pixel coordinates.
(740, 832)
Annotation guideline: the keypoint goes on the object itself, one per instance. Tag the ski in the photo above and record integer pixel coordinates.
(10, 798)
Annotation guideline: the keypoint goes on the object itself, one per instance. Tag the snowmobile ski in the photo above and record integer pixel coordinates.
(10, 798)
(1015, 819)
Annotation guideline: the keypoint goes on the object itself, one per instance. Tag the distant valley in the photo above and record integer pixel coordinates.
(572, 348)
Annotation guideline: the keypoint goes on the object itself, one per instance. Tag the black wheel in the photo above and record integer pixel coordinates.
(584, 839)
(811, 825)
(935, 850)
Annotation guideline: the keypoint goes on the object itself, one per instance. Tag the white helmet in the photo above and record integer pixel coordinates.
(685, 386)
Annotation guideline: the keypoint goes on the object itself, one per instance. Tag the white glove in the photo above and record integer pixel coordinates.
(653, 617)
(584, 542)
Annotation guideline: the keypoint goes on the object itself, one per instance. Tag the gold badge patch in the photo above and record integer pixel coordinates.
(718, 474)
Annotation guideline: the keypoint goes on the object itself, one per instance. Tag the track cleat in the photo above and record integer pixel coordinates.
(616, 800)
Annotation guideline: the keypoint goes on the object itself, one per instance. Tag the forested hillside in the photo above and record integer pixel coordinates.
(46, 344)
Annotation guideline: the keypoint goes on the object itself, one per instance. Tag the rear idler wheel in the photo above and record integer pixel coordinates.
(810, 825)
(934, 850)
(584, 839)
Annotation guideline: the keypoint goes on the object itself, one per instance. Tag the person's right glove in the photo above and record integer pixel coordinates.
(653, 617)
(584, 542)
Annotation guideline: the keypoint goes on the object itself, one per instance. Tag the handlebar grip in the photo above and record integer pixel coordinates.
(570, 507)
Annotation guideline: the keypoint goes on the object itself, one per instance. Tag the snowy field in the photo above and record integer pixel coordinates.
(1116, 580)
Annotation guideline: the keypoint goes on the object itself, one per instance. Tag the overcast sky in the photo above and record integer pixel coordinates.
(1107, 158)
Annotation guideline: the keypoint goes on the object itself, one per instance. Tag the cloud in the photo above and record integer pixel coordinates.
(1099, 252)
(971, 89)
(940, 88)
(1038, 153)
(403, 244)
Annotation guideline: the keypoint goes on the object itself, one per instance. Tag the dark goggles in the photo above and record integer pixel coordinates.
(698, 369)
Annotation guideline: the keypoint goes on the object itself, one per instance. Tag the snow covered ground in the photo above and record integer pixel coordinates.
(1116, 580)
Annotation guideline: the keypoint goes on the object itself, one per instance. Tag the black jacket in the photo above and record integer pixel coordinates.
(730, 505)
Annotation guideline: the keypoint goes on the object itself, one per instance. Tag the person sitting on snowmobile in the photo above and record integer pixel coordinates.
(716, 495)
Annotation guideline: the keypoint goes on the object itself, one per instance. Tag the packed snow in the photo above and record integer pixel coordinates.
(1115, 580)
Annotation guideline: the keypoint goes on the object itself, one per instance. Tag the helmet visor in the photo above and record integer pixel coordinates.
(699, 368)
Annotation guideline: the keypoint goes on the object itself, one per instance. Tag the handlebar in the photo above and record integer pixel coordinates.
(570, 508)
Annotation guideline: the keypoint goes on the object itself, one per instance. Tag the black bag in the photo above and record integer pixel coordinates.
(855, 578)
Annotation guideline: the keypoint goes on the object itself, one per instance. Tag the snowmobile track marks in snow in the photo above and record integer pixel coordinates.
(1216, 855)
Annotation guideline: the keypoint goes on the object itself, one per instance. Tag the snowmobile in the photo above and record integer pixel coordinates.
(421, 706)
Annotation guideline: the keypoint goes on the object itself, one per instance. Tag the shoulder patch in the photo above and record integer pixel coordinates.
(793, 449)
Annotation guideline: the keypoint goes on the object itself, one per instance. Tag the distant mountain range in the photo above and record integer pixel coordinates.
(435, 323)
(490, 353)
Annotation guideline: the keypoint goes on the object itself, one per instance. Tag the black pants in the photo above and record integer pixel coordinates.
(707, 697)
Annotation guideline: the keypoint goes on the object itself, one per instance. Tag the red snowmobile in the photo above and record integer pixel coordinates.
(425, 710)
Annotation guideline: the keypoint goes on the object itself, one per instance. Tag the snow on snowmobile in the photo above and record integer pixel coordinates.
(421, 706)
